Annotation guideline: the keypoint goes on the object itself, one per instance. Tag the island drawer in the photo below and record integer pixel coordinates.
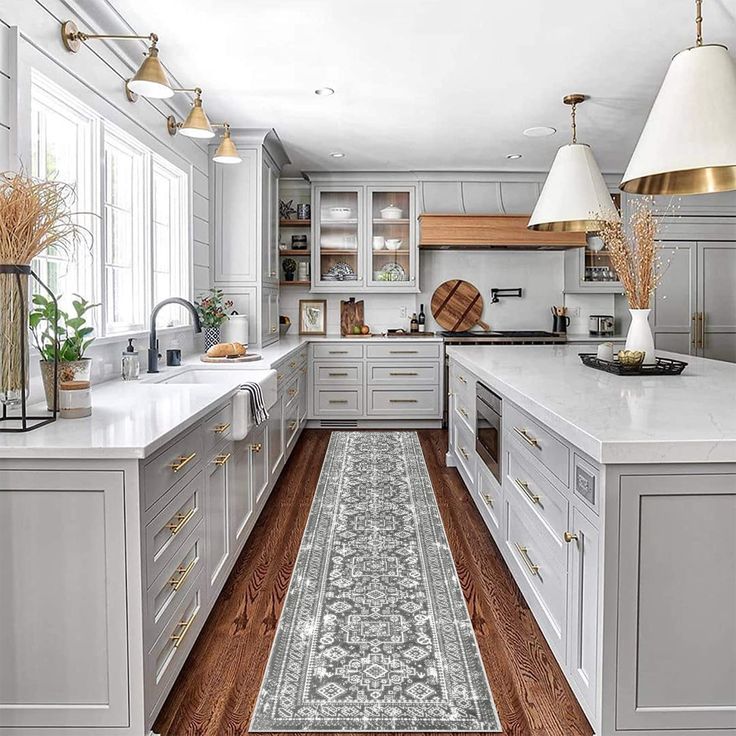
(165, 658)
(338, 351)
(177, 460)
(404, 350)
(165, 533)
(404, 402)
(464, 412)
(537, 497)
(403, 373)
(463, 442)
(462, 387)
(490, 500)
(291, 392)
(347, 402)
(173, 584)
(291, 422)
(218, 427)
(541, 577)
(338, 374)
(537, 442)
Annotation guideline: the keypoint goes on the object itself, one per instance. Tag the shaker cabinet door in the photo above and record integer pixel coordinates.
(717, 300)
(217, 517)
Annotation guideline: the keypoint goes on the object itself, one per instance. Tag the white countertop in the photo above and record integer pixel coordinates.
(689, 418)
(132, 419)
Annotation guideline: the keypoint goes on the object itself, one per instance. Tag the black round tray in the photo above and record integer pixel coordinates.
(663, 366)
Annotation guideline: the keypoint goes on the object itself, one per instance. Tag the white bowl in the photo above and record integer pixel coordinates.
(393, 243)
(392, 212)
(339, 213)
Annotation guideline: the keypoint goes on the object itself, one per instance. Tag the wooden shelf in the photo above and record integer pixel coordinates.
(380, 221)
(294, 252)
(295, 283)
(339, 223)
(338, 252)
(399, 252)
(295, 223)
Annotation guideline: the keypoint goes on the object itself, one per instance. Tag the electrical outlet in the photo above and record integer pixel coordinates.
(574, 312)
(404, 312)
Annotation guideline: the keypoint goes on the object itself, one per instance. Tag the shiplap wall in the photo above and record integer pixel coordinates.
(30, 38)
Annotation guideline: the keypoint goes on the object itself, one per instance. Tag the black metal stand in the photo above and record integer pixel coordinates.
(24, 422)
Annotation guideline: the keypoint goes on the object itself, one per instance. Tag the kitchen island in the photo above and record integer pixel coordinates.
(614, 507)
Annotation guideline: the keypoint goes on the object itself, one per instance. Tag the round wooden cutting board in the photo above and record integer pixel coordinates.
(457, 306)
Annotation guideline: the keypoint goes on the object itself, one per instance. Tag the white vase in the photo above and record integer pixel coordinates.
(640, 335)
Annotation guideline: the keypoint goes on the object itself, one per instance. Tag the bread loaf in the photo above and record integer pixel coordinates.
(240, 349)
(221, 350)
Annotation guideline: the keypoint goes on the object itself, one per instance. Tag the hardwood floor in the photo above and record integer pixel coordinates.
(217, 689)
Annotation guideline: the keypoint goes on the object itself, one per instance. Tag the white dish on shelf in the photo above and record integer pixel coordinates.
(339, 213)
(392, 212)
(378, 242)
(394, 243)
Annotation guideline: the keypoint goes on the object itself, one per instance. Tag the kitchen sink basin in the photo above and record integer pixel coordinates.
(199, 376)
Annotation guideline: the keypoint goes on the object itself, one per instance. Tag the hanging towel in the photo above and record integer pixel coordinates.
(257, 404)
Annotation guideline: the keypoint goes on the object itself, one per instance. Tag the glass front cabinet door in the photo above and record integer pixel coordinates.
(364, 239)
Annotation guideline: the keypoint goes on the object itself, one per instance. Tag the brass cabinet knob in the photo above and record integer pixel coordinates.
(256, 447)
(569, 536)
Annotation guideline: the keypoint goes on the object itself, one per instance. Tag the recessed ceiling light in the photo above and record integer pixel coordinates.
(539, 131)
(324, 91)
(513, 156)
(337, 155)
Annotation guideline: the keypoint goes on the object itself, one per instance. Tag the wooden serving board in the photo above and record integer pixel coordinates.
(240, 359)
(457, 306)
(351, 314)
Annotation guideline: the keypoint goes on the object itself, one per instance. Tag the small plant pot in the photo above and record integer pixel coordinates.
(73, 370)
(211, 337)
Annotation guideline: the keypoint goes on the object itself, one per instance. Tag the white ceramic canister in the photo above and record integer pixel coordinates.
(235, 329)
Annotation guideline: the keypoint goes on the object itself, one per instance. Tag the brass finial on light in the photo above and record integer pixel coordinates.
(226, 152)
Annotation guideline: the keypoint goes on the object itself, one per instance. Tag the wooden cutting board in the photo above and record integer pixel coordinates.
(457, 306)
(351, 315)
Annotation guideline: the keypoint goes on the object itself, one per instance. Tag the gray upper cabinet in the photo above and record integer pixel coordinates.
(717, 300)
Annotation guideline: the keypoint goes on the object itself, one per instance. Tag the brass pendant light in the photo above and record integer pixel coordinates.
(688, 145)
(226, 152)
(575, 197)
(149, 81)
(196, 123)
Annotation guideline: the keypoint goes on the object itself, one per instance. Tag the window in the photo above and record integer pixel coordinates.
(140, 250)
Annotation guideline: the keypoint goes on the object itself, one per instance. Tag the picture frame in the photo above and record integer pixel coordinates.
(312, 316)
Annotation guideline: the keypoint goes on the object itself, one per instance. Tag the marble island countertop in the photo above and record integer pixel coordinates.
(689, 418)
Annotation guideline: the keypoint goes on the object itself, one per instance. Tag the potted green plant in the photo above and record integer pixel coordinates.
(74, 337)
(212, 310)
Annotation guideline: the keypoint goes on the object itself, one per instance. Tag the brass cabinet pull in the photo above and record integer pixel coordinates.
(463, 412)
(183, 573)
(220, 428)
(702, 330)
(337, 352)
(533, 441)
(257, 447)
(279, 376)
(336, 375)
(403, 352)
(524, 552)
(293, 425)
(403, 373)
(461, 379)
(570, 536)
(464, 453)
(694, 330)
(292, 364)
(273, 329)
(402, 401)
(488, 499)
(222, 458)
(304, 370)
(338, 401)
(183, 627)
(523, 486)
(291, 392)
(181, 521)
(181, 461)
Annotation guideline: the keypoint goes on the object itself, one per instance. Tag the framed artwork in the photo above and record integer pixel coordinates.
(312, 316)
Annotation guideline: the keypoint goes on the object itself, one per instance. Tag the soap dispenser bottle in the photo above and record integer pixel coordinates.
(130, 366)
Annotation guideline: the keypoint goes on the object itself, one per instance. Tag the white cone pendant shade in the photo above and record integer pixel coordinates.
(574, 197)
(226, 152)
(151, 80)
(688, 145)
(197, 124)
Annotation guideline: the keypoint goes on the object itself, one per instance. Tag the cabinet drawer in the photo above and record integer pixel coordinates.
(537, 496)
(462, 387)
(165, 533)
(291, 391)
(291, 422)
(463, 411)
(404, 402)
(400, 374)
(173, 584)
(338, 403)
(338, 374)
(170, 465)
(218, 427)
(404, 350)
(337, 350)
(463, 443)
(170, 650)
(537, 442)
(544, 577)
(489, 495)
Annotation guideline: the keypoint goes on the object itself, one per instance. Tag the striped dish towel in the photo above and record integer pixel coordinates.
(257, 404)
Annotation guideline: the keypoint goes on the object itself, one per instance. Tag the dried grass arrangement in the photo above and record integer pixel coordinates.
(35, 215)
(636, 259)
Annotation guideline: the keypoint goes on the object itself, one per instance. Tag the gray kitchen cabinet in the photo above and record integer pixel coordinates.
(676, 607)
(276, 435)
(694, 307)
(245, 205)
(219, 499)
(258, 442)
(241, 491)
(63, 546)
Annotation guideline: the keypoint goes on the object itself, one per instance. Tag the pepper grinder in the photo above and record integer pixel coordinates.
(130, 368)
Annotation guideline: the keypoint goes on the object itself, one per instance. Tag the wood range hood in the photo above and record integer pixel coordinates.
(485, 232)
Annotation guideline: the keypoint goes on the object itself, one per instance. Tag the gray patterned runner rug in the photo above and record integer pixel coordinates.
(374, 634)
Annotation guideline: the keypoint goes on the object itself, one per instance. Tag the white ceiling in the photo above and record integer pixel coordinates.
(429, 84)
